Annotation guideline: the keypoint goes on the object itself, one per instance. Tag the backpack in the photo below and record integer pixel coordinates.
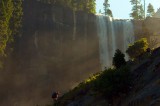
(55, 95)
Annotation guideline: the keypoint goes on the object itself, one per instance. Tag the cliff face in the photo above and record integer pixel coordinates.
(57, 50)
(150, 24)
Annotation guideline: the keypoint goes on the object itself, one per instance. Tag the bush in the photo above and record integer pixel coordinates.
(139, 47)
(114, 81)
(118, 59)
(110, 83)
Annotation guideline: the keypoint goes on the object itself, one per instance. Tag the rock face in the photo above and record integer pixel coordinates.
(57, 50)
(146, 91)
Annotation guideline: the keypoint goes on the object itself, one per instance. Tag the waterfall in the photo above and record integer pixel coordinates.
(113, 34)
(128, 34)
(103, 42)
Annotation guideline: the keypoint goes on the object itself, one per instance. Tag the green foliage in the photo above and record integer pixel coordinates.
(137, 10)
(138, 48)
(109, 13)
(10, 22)
(118, 59)
(150, 10)
(88, 6)
(114, 81)
(16, 19)
(6, 7)
(109, 83)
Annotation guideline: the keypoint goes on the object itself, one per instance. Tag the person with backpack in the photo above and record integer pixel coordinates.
(55, 96)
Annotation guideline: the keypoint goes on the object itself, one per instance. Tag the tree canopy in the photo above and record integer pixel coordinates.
(88, 6)
(6, 7)
(10, 22)
(138, 48)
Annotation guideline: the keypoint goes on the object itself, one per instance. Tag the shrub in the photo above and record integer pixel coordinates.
(138, 48)
(114, 81)
(110, 83)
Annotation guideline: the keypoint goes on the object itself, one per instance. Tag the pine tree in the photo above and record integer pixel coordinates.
(141, 12)
(118, 59)
(150, 10)
(107, 11)
(106, 6)
(137, 9)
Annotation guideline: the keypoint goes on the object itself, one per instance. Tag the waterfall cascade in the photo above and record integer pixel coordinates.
(113, 34)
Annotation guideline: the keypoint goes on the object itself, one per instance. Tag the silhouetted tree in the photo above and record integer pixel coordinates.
(118, 59)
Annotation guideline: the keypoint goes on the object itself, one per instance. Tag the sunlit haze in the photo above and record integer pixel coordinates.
(122, 8)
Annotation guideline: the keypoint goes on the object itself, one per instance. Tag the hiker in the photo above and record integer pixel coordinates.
(55, 95)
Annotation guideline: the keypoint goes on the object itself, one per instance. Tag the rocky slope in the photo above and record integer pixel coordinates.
(145, 90)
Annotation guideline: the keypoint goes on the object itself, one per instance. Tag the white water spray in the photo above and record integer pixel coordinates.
(103, 41)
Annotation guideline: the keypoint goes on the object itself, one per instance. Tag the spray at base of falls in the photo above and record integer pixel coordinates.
(113, 34)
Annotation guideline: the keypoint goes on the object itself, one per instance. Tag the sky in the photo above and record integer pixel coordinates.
(122, 8)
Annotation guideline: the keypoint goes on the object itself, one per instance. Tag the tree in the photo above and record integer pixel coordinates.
(88, 6)
(118, 59)
(138, 48)
(137, 10)
(16, 19)
(6, 7)
(106, 6)
(150, 10)
(112, 82)
(10, 22)
(107, 11)
(141, 12)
